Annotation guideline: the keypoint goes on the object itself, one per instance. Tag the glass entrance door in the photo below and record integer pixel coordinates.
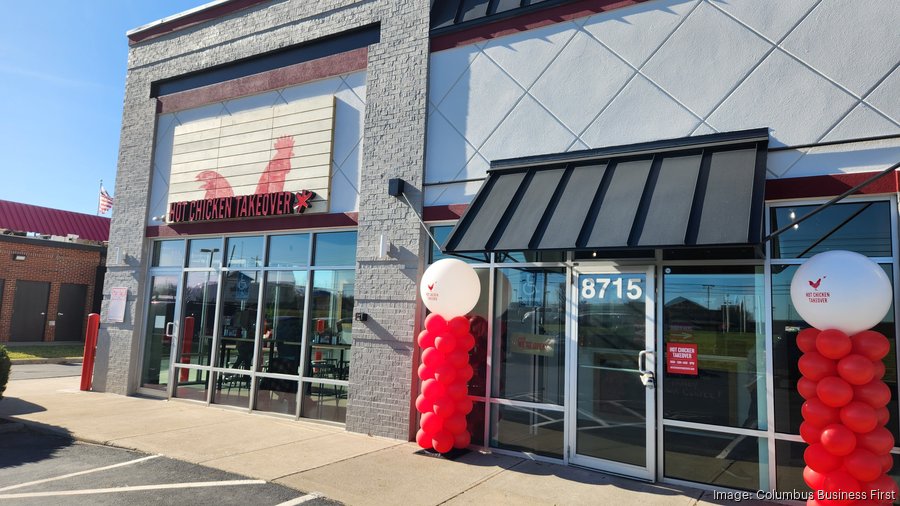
(160, 331)
(612, 411)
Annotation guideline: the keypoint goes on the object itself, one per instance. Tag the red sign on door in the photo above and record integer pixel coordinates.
(681, 358)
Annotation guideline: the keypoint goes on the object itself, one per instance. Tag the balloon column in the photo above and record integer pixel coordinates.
(450, 289)
(844, 294)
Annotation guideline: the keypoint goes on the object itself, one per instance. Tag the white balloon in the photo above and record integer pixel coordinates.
(841, 290)
(450, 288)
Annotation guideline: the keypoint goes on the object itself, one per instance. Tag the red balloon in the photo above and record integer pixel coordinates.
(464, 406)
(442, 441)
(838, 440)
(806, 340)
(444, 407)
(466, 342)
(810, 433)
(863, 464)
(814, 479)
(815, 366)
(458, 358)
(840, 481)
(445, 343)
(887, 462)
(425, 372)
(466, 372)
(455, 424)
(879, 369)
(820, 460)
(424, 405)
(856, 369)
(879, 441)
(425, 339)
(859, 417)
(807, 388)
(834, 391)
(433, 358)
(446, 374)
(432, 389)
(478, 326)
(883, 415)
(870, 344)
(818, 413)
(431, 423)
(423, 439)
(459, 325)
(884, 489)
(436, 324)
(462, 440)
(457, 390)
(874, 393)
(833, 344)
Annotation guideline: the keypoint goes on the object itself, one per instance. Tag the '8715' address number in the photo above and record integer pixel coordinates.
(630, 288)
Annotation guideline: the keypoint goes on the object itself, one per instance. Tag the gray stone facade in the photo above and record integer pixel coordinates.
(394, 141)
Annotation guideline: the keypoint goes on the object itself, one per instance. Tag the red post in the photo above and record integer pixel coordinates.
(90, 350)
(186, 343)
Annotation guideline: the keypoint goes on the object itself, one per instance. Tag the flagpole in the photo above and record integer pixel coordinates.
(99, 191)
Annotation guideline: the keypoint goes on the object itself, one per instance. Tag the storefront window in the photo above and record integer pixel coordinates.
(726, 460)
(205, 253)
(282, 336)
(329, 342)
(863, 227)
(518, 257)
(238, 319)
(713, 316)
(335, 248)
(478, 327)
(786, 323)
(168, 254)
(198, 317)
(244, 252)
(530, 329)
(538, 431)
(289, 250)
(441, 233)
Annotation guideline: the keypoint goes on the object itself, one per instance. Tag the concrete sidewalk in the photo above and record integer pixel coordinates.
(351, 468)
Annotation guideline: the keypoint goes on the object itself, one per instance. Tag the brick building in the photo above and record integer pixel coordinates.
(610, 169)
(49, 275)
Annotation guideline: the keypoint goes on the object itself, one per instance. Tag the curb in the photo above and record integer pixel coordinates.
(28, 361)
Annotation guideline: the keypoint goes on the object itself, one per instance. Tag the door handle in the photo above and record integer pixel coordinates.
(648, 378)
(170, 329)
(59, 314)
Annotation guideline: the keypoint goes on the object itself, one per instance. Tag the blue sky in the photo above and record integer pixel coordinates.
(62, 78)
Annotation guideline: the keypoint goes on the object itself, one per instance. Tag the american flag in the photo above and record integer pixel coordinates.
(106, 202)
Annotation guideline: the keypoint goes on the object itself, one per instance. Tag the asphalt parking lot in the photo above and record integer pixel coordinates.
(38, 468)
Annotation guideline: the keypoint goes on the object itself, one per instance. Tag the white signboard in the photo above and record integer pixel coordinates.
(283, 148)
(117, 299)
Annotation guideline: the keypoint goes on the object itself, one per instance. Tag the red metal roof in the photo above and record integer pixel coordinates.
(43, 220)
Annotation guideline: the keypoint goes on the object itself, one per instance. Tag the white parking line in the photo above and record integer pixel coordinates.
(79, 473)
(137, 488)
(299, 500)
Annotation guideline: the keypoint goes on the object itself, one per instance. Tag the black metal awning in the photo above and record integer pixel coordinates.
(696, 191)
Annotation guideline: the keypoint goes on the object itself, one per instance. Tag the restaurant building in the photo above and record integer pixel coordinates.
(612, 170)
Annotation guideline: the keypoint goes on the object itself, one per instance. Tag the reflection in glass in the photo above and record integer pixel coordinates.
(441, 234)
(335, 248)
(283, 305)
(157, 345)
(789, 466)
(198, 317)
(324, 402)
(276, 395)
(475, 423)
(205, 253)
(194, 388)
(244, 252)
(611, 400)
(478, 327)
(289, 250)
(718, 310)
(518, 257)
(330, 325)
(726, 460)
(232, 390)
(238, 319)
(863, 227)
(786, 323)
(529, 351)
(537, 431)
(168, 254)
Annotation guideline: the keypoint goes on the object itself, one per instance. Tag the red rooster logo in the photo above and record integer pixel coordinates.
(816, 284)
(271, 180)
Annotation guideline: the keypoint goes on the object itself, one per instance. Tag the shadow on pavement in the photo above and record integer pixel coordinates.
(32, 443)
(11, 406)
